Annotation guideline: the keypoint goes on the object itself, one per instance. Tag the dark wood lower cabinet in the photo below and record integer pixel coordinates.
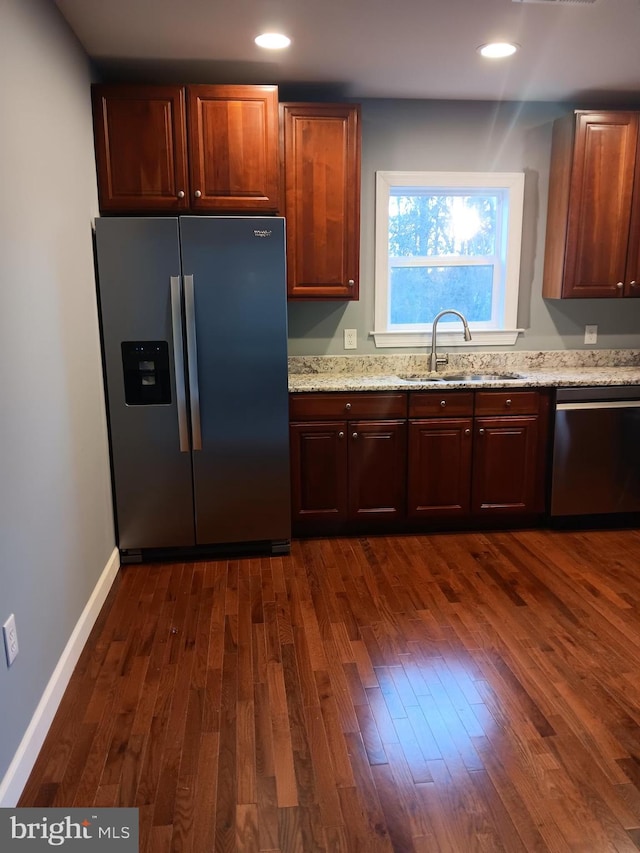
(319, 472)
(348, 459)
(505, 457)
(439, 475)
(348, 471)
(377, 462)
(453, 457)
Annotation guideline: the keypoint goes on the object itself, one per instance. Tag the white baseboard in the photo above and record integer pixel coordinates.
(16, 777)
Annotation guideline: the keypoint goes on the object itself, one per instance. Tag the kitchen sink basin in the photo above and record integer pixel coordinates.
(458, 377)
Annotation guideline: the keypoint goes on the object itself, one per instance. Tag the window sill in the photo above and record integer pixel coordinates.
(495, 337)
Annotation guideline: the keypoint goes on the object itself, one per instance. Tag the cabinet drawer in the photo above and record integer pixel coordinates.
(507, 402)
(341, 406)
(434, 404)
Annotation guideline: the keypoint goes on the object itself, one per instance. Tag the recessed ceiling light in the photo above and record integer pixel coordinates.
(273, 41)
(497, 49)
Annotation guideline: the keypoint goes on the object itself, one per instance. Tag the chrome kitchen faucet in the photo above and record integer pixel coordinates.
(434, 359)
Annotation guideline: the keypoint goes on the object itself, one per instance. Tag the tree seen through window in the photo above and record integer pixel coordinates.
(442, 248)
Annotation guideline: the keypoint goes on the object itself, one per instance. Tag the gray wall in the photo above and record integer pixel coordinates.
(56, 532)
(465, 136)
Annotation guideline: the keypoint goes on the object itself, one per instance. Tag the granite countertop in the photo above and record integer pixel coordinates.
(480, 370)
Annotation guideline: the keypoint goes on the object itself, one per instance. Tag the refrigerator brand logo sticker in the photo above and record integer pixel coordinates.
(262, 232)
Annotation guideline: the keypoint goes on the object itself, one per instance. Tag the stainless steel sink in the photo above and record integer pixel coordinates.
(479, 377)
(458, 377)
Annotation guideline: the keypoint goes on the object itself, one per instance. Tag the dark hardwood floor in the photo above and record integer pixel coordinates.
(454, 692)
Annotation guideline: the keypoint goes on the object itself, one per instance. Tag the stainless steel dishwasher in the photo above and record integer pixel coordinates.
(596, 451)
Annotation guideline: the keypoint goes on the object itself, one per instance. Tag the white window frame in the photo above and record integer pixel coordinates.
(502, 330)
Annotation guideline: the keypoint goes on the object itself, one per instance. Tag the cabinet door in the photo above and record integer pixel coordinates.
(600, 195)
(506, 466)
(233, 148)
(377, 466)
(439, 470)
(140, 139)
(632, 280)
(322, 199)
(319, 471)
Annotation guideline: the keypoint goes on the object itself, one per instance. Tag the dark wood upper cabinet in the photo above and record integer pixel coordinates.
(233, 148)
(592, 241)
(141, 148)
(151, 139)
(321, 156)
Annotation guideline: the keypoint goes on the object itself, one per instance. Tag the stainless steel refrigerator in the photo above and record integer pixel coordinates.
(194, 335)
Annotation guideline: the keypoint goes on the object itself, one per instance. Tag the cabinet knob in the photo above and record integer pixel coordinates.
(351, 283)
(197, 194)
(355, 435)
(443, 403)
(341, 434)
(347, 406)
(507, 402)
(481, 432)
(620, 285)
(181, 194)
(633, 283)
(467, 432)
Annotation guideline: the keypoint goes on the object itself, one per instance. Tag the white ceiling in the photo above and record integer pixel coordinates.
(570, 49)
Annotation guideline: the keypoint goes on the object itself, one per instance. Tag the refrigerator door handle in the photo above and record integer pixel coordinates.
(192, 362)
(178, 358)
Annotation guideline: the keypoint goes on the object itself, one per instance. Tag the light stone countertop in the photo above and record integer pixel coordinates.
(533, 369)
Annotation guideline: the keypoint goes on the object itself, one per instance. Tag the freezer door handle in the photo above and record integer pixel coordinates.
(192, 362)
(178, 358)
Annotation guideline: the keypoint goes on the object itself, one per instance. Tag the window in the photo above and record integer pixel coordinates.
(447, 240)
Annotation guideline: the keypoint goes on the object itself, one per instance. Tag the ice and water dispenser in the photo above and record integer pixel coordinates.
(146, 373)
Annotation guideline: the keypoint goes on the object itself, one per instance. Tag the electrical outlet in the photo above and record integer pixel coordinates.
(351, 339)
(591, 334)
(10, 634)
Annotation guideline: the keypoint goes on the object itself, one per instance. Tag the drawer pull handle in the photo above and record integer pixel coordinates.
(443, 403)
(341, 434)
(347, 406)
(481, 432)
(507, 402)
(355, 435)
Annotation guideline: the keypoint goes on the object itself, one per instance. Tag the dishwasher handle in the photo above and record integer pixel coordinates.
(603, 404)
(597, 394)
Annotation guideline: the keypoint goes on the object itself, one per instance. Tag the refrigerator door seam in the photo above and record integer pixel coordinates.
(192, 362)
(178, 358)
